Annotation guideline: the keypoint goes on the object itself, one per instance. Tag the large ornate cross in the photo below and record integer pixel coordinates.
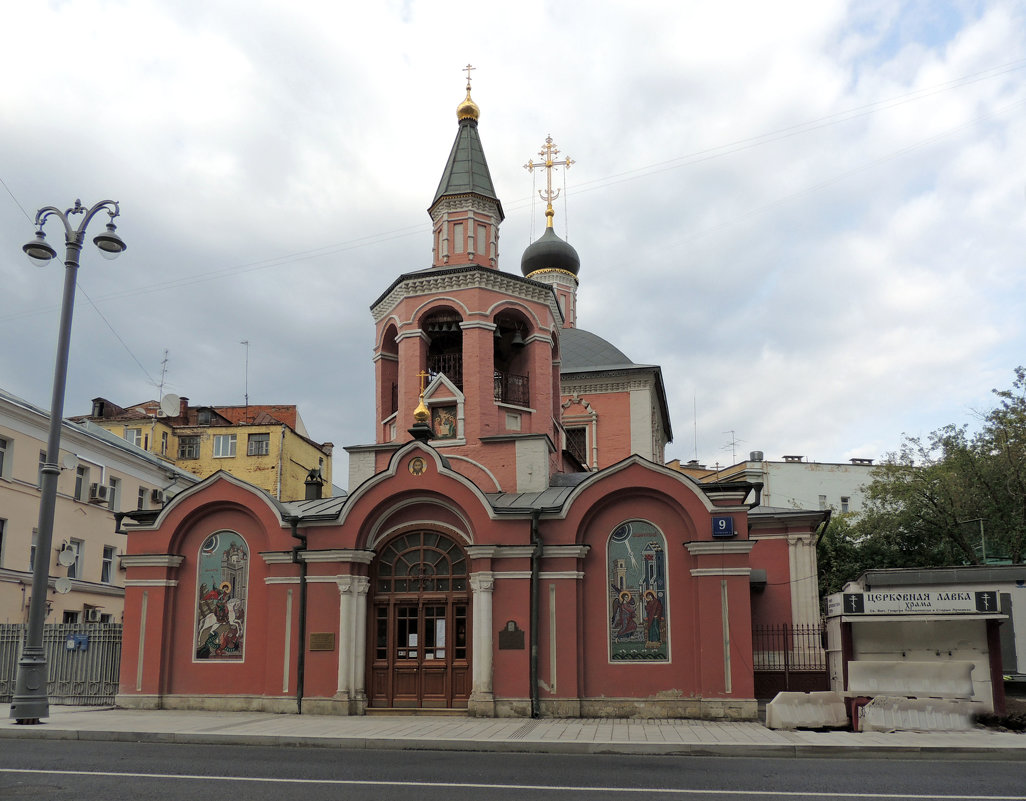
(548, 152)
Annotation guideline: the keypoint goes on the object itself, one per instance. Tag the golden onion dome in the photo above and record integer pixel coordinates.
(468, 109)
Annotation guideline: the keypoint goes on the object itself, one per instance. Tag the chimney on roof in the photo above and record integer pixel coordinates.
(183, 406)
(315, 482)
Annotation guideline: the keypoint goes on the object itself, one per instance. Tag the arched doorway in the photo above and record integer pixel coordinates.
(419, 654)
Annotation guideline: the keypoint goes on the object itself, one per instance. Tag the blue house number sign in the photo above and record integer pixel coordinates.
(723, 526)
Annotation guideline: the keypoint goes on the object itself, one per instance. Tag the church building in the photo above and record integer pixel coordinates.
(511, 543)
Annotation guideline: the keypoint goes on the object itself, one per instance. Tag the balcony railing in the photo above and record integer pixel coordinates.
(512, 388)
(450, 364)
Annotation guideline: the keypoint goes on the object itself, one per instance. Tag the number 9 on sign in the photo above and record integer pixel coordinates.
(723, 526)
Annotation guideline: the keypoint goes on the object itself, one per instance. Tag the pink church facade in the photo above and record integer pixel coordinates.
(511, 543)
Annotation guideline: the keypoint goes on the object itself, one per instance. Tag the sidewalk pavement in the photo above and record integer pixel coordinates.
(545, 735)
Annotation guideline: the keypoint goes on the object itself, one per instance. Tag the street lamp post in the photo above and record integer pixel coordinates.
(30, 702)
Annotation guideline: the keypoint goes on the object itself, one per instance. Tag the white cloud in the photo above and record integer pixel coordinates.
(810, 213)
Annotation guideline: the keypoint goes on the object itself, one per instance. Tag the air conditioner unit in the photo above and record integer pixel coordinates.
(156, 496)
(98, 493)
(92, 615)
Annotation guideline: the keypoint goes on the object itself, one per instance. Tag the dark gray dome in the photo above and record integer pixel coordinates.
(583, 352)
(550, 252)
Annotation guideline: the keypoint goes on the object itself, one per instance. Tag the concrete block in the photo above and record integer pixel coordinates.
(886, 713)
(815, 710)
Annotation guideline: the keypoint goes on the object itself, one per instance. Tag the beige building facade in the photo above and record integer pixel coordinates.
(101, 475)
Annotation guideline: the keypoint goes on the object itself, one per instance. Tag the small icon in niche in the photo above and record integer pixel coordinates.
(417, 466)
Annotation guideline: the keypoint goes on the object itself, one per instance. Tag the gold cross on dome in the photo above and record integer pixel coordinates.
(467, 69)
(423, 377)
(548, 152)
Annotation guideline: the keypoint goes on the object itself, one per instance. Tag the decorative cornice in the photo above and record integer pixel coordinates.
(151, 582)
(703, 547)
(447, 279)
(277, 557)
(564, 551)
(580, 384)
(721, 571)
(555, 271)
(338, 555)
(281, 580)
(151, 560)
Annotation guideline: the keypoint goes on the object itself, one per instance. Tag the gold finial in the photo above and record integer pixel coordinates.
(548, 152)
(421, 413)
(468, 109)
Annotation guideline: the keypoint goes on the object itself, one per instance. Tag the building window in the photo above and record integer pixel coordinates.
(203, 417)
(163, 444)
(458, 245)
(75, 568)
(188, 447)
(81, 483)
(107, 566)
(42, 461)
(114, 495)
(135, 436)
(822, 502)
(72, 617)
(224, 445)
(258, 445)
(3, 528)
(577, 443)
(33, 548)
(4, 447)
(141, 503)
(845, 503)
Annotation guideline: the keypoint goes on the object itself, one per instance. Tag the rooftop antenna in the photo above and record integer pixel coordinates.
(246, 343)
(163, 374)
(695, 411)
(734, 442)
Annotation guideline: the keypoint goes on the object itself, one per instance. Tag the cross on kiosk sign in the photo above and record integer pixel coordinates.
(723, 526)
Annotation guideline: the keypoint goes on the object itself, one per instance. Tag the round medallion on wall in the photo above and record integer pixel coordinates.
(417, 466)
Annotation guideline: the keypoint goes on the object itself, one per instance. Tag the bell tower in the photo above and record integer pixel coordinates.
(466, 212)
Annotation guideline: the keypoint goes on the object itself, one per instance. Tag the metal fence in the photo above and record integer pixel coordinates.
(787, 657)
(82, 661)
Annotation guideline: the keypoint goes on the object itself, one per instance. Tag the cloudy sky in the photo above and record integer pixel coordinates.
(811, 214)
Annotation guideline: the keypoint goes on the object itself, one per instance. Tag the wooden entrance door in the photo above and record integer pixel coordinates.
(419, 655)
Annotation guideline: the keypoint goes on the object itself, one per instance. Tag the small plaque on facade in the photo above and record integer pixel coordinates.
(511, 637)
(322, 641)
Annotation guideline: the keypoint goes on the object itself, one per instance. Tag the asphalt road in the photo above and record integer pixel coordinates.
(51, 769)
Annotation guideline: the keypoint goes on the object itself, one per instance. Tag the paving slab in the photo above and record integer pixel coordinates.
(544, 735)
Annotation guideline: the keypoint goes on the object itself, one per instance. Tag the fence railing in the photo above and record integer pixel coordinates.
(82, 661)
(512, 388)
(786, 647)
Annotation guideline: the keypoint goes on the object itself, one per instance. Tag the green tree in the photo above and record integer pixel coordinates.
(925, 501)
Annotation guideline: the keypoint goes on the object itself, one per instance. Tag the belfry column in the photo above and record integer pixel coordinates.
(482, 699)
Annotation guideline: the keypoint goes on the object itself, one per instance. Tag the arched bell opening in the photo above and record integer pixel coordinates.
(445, 345)
(512, 374)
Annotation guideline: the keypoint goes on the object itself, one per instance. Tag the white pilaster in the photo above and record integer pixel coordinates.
(361, 584)
(482, 585)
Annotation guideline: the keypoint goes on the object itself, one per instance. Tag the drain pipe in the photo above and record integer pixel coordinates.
(301, 656)
(536, 541)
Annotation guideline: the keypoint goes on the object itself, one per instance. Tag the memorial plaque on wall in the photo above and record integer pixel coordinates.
(511, 637)
(322, 641)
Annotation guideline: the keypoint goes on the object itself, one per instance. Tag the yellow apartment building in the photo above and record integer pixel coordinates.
(266, 445)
